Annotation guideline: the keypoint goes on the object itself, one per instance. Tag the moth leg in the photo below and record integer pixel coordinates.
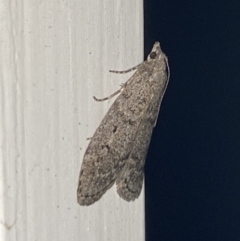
(112, 95)
(124, 71)
(122, 86)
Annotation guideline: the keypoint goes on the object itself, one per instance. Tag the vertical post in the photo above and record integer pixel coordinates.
(54, 56)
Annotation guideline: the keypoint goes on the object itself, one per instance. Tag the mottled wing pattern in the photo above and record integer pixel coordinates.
(130, 180)
(109, 147)
(118, 149)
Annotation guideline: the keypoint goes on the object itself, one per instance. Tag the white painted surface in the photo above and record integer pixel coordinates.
(54, 56)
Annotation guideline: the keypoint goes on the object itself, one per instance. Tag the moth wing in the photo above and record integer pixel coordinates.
(94, 180)
(102, 163)
(130, 180)
(112, 143)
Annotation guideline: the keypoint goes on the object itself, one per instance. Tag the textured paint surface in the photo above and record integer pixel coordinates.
(117, 151)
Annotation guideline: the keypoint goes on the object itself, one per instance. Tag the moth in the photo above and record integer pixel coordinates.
(118, 149)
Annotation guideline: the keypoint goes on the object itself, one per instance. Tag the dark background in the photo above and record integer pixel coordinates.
(193, 165)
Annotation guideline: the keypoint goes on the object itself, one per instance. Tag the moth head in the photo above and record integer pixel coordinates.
(156, 52)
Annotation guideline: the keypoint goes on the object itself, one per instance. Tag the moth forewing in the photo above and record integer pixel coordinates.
(118, 148)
